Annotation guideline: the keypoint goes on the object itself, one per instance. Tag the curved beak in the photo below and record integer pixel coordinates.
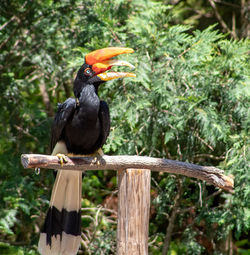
(101, 61)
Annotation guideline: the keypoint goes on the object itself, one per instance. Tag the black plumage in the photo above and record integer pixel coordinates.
(82, 123)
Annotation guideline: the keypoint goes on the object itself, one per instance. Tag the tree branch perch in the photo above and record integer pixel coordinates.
(209, 174)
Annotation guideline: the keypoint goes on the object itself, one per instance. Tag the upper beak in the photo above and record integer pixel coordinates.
(101, 61)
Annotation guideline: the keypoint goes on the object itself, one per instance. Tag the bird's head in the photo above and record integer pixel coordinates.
(97, 63)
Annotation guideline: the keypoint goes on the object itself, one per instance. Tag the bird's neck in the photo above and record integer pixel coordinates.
(79, 86)
(88, 102)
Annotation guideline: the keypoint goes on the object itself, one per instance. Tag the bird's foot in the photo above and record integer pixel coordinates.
(62, 158)
(95, 161)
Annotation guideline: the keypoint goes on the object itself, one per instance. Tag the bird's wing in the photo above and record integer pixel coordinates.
(64, 113)
(105, 122)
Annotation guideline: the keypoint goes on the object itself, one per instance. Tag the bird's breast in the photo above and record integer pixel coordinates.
(84, 129)
(81, 137)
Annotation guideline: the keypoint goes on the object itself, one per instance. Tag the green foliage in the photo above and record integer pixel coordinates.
(189, 102)
(7, 249)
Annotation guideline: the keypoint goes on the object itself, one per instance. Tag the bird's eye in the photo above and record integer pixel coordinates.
(87, 71)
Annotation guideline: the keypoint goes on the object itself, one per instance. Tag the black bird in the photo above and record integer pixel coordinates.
(81, 126)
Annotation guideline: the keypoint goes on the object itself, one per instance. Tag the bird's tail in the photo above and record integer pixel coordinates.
(61, 233)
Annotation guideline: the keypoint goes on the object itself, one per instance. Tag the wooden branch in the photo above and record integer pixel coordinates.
(209, 174)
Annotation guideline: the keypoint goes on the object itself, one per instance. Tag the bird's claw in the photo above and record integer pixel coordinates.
(96, 161)
(62, 158)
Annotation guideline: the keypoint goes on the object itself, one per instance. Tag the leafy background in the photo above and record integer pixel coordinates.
(189, 102)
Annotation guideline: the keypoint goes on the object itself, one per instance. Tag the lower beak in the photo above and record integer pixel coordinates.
(114, 75)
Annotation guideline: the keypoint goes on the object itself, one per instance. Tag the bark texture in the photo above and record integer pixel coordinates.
(133, 211)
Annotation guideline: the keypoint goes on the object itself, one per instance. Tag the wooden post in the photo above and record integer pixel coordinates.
(133, 211)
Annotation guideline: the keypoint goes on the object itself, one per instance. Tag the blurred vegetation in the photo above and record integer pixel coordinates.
(189, 102)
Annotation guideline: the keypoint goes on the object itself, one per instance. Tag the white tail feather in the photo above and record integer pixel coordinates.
(66, 194)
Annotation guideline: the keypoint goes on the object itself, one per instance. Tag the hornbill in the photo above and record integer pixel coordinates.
(81, 126)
